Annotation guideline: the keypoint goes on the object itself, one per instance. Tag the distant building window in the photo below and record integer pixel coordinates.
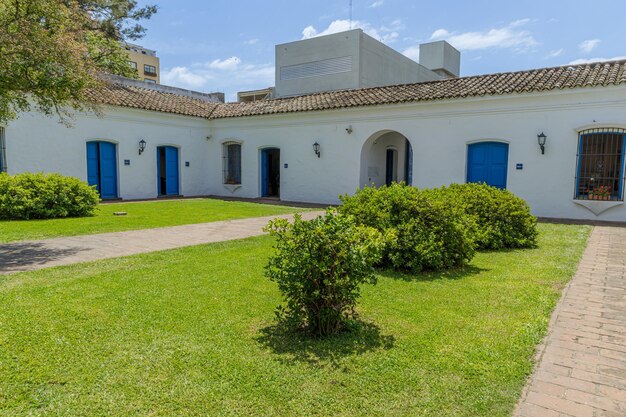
(149, 81)
(132, 64)
(600, 173)
(3, 152)
(150, 70)
(232, 163)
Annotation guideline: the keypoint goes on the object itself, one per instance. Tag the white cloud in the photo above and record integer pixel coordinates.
(229, 75)
(253, 41)
(386, 34)
(225, 64)
(376, 4)
(509, 36)
(555, 53)
(413, 53)
(588, 45)
(183, 77)
(592, 60)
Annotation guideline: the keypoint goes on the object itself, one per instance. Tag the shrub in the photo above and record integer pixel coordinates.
(421, 234)
(502, 220)
(45, 196)
(319, 266)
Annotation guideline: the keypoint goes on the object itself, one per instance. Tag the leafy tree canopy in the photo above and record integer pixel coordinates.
(53, 51)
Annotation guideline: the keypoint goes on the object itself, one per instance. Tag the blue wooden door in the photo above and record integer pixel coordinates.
(171, 170)
(93, 165)
(264, 172)
(108, 170)
(487, 162)
(167, 170)
(102, 168)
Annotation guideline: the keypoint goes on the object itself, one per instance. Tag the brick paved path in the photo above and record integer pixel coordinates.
(31, 255)
(582, 364)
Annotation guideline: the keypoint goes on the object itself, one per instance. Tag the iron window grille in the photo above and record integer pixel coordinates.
(3, 151)
(600, 171)
(231, 163)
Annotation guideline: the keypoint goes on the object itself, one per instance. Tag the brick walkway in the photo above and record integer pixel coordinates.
(32, 255)
(582, 364)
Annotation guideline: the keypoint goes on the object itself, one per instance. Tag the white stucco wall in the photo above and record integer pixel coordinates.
(36, 143)
(439, 133)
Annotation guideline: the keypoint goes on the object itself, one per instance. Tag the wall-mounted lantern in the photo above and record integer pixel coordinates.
(142, 146)
(541, 139)
(316, 149)
(349, 130)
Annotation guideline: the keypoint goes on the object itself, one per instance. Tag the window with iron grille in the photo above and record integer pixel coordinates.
(3, 152)
(600, 173)
(231, 160)
(149, 70)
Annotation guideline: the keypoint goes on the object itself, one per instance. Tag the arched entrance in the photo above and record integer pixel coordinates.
(386, 157)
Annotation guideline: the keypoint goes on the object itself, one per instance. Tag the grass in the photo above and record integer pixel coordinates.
(140, 216)
(190, 332)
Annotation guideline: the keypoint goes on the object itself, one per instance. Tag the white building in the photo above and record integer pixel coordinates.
(314, 147)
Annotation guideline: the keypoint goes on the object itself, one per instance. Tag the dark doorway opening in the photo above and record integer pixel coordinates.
(270, 172)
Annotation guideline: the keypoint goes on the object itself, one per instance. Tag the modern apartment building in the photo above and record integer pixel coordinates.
(145, 62)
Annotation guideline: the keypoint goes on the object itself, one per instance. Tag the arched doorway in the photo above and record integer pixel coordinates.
(386, 157)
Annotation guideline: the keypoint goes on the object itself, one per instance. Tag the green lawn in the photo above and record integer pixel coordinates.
(140, 216)
(189, 332)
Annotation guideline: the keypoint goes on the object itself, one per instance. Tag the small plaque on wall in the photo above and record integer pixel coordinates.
(126, 161)
(519, 167)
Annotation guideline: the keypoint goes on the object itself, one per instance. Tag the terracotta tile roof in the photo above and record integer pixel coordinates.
(575, 76)
(116, 94)
(537, 80)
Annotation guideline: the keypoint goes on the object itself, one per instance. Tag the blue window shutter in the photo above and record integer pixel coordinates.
(487, 162)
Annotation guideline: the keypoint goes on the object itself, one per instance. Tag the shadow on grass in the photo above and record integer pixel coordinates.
(299, 346)
(450, 274)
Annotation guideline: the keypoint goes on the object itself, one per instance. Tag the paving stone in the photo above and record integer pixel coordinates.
(32, 255)
(581, 369)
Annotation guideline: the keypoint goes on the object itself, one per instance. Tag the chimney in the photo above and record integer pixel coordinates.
(442, 58)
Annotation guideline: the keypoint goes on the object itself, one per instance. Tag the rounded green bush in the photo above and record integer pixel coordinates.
(319, 266)
(45, 196)
(421, 234)
(501, 219)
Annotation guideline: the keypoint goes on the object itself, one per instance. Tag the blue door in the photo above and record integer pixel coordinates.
(487, 162)
(167, 170)
(264, 172)
(102, 168)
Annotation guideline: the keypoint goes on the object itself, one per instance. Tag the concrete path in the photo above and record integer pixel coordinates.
(582, 364)
(32, 255)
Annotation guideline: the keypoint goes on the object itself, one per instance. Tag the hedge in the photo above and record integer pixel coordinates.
(45, 196)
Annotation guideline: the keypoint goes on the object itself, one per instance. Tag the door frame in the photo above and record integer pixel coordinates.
(117, 166)
(263, 171)
(158, 170)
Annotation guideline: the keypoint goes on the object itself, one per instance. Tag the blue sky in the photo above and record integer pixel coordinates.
(228, 46)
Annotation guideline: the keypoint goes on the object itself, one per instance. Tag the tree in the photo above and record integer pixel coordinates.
(52, 52)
